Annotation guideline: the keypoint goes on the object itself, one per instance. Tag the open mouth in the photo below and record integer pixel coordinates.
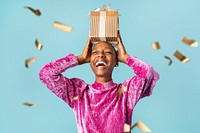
(100, 64)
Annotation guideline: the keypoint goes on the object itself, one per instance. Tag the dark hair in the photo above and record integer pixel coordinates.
(105, 42)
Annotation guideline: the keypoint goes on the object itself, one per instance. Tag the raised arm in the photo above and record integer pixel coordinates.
(146, 77)
(65, 88)
(52, 78)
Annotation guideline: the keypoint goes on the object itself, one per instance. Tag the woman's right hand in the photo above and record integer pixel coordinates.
(84, 57)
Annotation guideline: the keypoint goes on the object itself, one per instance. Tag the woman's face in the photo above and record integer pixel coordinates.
(103, 60)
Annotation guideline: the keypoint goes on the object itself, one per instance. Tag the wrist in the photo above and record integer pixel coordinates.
(125, 58)
(80, 59)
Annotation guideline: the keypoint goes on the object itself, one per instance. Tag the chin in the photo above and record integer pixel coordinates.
(102, 74)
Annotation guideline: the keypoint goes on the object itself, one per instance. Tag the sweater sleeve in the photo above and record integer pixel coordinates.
(63, 87)
(142, 84)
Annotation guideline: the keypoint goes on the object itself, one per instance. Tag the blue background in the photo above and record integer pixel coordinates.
(174, 105)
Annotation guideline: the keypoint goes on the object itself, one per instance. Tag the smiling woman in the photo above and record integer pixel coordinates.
(98, 107)
(102, 61)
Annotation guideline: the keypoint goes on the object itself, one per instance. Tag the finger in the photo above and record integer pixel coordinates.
(118, 32)
(88, 41)
(119, 39)
(119, 42)
(119, 35)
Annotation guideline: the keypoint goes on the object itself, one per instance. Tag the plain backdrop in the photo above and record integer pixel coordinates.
(174, 104)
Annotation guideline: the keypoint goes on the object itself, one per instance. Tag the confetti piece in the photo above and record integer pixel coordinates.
(62, 26)
(155, 45)
(134, 126)
(35, 11)
(170, 60)
(38, 45)
(121, 91)
(141, 126)
(127, 128)
(75, 97)
(181, 57)
(190, 42)
(29, 104)
(29, 60)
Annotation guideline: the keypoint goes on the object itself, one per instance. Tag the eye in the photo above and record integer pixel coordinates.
(94, 52)
(108, 52)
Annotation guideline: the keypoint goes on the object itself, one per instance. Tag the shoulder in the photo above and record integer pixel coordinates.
(79, 83)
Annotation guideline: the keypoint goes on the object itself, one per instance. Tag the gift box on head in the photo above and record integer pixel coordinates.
(104, 23)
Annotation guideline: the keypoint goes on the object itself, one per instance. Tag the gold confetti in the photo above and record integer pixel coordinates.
(29, 104)
(35, 11)
(127, 128)
(121, 91)
(170, 60)
(75, 97)
(38, 45)
(181, 57)
(62, 26)
(155, 45)
(141, 126)
(190, 42)
(29, 60)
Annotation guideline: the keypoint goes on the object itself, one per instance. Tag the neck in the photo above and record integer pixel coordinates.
(103, 79)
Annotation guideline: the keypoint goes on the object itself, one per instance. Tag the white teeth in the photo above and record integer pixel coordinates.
(100, 62)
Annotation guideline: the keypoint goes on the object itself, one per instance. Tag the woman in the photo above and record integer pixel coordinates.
(104, 106)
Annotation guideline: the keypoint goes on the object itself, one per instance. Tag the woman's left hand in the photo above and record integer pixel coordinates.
(121, 51)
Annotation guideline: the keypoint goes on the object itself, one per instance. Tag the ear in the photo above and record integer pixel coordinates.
(117, 63)
(90, 64)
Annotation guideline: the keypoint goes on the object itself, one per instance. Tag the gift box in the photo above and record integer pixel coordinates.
(104, 25)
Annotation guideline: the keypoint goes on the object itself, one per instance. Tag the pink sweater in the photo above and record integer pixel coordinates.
(96, 106)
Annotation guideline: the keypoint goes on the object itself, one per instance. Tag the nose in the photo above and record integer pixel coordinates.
(101, 55)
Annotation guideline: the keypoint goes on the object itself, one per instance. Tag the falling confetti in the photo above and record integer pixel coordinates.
(62, 26)
(170, 60)
(75, 97)
(181, 57)
(127, 128)
(190, 42)
(38, 45)
(35, 11)
(141, 126)
(155, 45)
(29, 60)
(121, 91)
(29, 104)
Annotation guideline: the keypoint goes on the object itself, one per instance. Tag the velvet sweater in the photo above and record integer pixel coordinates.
(100, 108)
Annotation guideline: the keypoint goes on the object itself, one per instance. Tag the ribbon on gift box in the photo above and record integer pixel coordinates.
(102, 25)
(105, 8)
